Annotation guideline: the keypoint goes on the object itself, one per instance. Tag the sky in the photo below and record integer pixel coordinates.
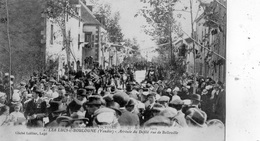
(131, 26)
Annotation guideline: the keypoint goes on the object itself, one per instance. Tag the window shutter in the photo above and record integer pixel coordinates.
(92, 40)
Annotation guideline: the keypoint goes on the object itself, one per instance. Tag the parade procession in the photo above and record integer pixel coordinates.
(76, 64)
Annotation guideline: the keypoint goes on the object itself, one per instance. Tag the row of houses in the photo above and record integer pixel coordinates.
(42, 41)
(85, 36)
(209, 45)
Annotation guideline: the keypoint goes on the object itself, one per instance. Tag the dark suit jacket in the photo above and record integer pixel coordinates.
(221, 106)
(35, 108)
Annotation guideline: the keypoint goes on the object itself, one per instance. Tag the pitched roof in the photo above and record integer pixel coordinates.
(87, 15)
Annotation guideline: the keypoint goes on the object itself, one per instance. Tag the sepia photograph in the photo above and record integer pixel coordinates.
(137, 67)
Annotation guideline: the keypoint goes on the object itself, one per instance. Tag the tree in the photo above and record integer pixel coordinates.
(56, 12)
(27, 51)
(111, 21)
(161, 25)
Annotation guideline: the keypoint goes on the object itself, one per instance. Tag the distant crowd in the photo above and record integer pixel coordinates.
(113, 98)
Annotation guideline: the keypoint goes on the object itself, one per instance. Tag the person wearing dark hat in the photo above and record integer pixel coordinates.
(78, 100)
(130, 105)
(115, 106)
(113, 90)
(196, 118)
(90, 90)
(150, 100)
(195, 100)
(195, 103)
(220, 103)
(157, 108)
(78, 121)
(180, 117)
(55, 110)
(94, 103)
(64, 121)
(36, 109)
(61, 91)
(127, 118)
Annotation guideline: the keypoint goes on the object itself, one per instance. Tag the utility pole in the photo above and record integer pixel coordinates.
(193, 46)
(9, 46)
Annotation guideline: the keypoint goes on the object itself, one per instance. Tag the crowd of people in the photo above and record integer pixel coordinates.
(97, 98)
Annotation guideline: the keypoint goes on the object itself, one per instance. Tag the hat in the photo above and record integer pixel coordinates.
(11, 76)
(113, 88)
(29, 95)
(103, 110)
(108, 98)
(158, 107)
(169, 112)
(90, 88)
(168, 90)
(151, 94)
(145, 91)
(158, 121)
(43, 81)
(164, 99)
(82, 92)
(128, 87)
(177, 102)
(121, 98)
(94, 100)
(215, 123)
(195, 97)
(187, 102)
(197, 116)
(37, 90)
(115, 106)
(76, 116)
(176, 89)
(22, 83)
(104, 116)
(60, 87)
(131, 102)
(61, 108)
(208, 87)
(6, 74)
(53, 86)
(52, 80)
(63, 118)
(205, 91)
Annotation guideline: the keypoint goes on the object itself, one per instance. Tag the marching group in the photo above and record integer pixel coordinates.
(106, 98)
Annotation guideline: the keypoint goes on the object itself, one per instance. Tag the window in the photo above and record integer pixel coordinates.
(88, 37)
(52, 36)
(92, 40)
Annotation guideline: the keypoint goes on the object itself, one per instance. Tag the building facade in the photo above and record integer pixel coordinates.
(211, 34)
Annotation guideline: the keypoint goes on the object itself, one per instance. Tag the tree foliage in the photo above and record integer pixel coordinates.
(27, 51)
(111, 21)
(162, 25)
